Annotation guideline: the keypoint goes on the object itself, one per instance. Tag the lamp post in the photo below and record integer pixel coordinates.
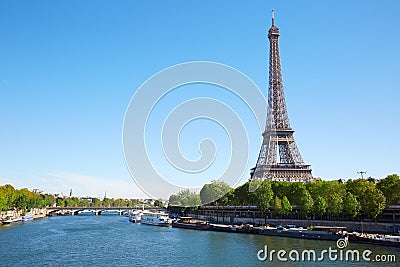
(362, 173)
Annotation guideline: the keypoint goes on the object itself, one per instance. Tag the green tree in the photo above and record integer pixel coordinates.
(34, 200)
(390, 187)
(371, 199)
(84, 203)
(325, 188)
(305, 202)
(214, 192)
(21, 200)
(242, 196)
(185, 198)
(281, 189)
(315, 188)
(228, 199)
(9, 193)
(189, 199)
(174, 200)
(107, 202)
(263, 195)
(60, 202)
(48, 200)
(297, 193)
(335, 204)
(158, 203)
(71, 202)
(374, 202)
(3, 201)
(286, 206)
(351, 207)
(320, 206)
(96, 202)
(277, 205)
(357, 187)
(119, 202)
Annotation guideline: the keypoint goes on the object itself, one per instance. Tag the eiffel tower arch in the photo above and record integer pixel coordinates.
(279, 158)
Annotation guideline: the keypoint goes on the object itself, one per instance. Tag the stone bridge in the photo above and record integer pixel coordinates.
(95, 210)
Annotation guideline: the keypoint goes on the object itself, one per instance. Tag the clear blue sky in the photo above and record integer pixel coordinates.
(69, 68)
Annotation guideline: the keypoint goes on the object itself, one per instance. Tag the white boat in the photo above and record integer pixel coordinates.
(27, 217)
(156, 218)
(389, 240)
(136, 216)
(12, 220)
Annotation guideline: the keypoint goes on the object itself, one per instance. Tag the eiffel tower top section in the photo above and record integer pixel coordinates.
(273, 30)
(278, 118)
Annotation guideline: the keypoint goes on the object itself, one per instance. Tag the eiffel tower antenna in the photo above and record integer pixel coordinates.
(279, 158)
(273, 19)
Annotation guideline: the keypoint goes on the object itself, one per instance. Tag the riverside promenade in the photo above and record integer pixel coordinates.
(387, 223)
(35, 212)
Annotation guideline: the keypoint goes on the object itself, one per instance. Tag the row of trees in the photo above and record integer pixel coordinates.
(318, 199)
(185, 198)
(25, 200)
(22, 199)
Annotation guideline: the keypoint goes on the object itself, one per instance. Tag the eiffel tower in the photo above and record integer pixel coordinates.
(279, 158)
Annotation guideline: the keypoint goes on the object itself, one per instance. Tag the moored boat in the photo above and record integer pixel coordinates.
(222, 227)
(246, 228)
(315, 232)
(136, 216)
(376, 239)
(27, 217)
(156, 218)
(12, 220)
(190, 223)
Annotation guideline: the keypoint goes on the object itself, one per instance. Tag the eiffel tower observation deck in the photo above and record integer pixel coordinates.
(279, 158)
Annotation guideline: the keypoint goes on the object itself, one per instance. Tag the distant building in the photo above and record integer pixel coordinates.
(89, 199)
(148, 201)
(61, 195)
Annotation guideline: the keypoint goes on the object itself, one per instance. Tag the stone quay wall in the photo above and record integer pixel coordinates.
(14, 213)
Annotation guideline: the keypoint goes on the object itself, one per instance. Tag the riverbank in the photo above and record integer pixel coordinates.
(36, 213)
(367, 227)
(314, 232)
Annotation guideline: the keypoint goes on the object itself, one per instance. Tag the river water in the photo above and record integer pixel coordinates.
(113, 241)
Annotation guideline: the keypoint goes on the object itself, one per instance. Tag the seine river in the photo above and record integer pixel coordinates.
(113, 241)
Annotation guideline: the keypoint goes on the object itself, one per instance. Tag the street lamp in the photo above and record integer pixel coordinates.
(362, 173)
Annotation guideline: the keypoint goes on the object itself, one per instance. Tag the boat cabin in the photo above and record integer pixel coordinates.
(329, 229)
(186, 219)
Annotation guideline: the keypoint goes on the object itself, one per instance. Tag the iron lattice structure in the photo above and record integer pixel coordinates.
(279, 158)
